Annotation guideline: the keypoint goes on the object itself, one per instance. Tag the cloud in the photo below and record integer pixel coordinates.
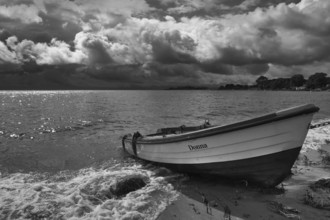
(210, 8)
(195, 44)
(104, 48)
(50, 14)
(285, 34)
(7, 56)
(263, 36)
(56, 52)
(126, 7)
(268, 35)
(259, 37)
(276, 71)
(40, 5)
(172, 47)
(24, 13)
(245, 5)
(281, 35)
(95, 46)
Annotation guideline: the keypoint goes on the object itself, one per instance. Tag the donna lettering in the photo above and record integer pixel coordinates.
(197, 147)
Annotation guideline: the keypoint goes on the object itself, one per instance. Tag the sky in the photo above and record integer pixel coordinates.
(143, 44)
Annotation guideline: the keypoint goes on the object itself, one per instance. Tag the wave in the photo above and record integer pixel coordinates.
(317, 137)
(80, 194)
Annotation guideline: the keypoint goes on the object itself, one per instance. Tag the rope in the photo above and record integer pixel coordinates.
(319, 125)
(136, 135)
(123, 142)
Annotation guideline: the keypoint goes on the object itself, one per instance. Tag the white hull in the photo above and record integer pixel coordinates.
(242, 144)
(261, 150)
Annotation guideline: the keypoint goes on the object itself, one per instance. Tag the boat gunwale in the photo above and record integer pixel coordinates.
(221, 129)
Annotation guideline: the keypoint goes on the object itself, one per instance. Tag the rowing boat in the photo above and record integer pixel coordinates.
(260, 150)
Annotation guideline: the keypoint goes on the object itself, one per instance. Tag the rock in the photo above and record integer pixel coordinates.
(38, 188)
(127, 185)
(319, 197)
(284, 210)
(321, 184)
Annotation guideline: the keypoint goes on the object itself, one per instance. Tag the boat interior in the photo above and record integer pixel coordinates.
(181, 129)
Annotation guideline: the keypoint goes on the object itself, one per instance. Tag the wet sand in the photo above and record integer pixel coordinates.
(286, 201)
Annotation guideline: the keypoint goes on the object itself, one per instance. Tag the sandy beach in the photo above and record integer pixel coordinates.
(293, 199)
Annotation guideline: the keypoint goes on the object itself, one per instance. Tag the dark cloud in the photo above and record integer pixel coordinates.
(112, 20)
(238, 57)
(151, 75)
(256, 69)
(207, 8)
(160, 43)
(9, 68)
(217, 67)
(97, 52)
(170, 52)
(52, 26)
(55, 27)
(4, 34)
(227, 69)
(172, 70)
(171, 75)
(115, 72)
(46, 77)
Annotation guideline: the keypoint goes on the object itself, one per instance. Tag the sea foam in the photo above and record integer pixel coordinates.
(317, 137)
(83, 195)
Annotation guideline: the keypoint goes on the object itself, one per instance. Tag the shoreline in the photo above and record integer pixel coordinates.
(286, 201)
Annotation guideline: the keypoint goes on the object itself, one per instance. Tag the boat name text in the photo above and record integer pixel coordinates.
(197, 147)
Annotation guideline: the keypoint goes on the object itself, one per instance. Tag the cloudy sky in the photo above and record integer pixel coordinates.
(123, 44)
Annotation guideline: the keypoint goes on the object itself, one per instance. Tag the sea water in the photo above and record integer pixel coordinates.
(60, 150)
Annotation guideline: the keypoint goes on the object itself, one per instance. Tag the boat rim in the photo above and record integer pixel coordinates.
(220, 129)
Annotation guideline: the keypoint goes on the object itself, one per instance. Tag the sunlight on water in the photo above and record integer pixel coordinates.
(42, 92)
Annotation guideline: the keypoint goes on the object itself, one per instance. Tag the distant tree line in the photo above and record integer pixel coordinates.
(317, 81)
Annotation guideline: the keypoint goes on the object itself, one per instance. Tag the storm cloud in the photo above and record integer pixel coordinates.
(204, 42)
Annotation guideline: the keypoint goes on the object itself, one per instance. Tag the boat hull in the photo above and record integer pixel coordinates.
(261, 150)
(246, 143)
(268, 170)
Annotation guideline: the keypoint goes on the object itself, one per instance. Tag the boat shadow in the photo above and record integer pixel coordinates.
(226, 197)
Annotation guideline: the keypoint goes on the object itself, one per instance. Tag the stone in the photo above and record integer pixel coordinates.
(127, 184)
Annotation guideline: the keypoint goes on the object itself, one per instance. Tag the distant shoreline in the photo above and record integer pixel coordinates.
(165, 89)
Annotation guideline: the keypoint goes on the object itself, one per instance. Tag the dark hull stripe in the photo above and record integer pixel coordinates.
(268, 170)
